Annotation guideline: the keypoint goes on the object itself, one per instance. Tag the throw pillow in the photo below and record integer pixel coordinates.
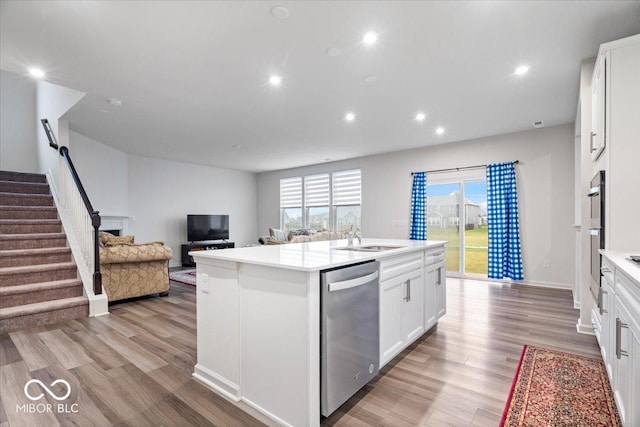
(273, 241)
(278, 234)
(110, 240)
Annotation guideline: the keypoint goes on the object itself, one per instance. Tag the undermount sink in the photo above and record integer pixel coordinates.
(368, 248)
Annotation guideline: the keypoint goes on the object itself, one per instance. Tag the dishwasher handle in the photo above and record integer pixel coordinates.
(352, 283)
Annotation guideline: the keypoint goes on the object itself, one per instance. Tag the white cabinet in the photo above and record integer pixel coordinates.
(441, 291)
(616, 107)
(401, 304)
(606, 315)
(430, 280)
(435, 297)
(619, 334)
(598, 108)
(625, 353)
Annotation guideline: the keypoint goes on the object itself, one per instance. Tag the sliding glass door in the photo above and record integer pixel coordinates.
(457, 213)
(476, 235)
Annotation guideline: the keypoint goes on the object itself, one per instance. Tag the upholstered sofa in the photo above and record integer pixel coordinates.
(279, 237)
(130, 269)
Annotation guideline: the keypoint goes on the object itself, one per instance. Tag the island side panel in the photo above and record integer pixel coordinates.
(218, 316)
(280, 343)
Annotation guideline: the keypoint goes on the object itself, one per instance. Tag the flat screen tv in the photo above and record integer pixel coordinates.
(207, 227)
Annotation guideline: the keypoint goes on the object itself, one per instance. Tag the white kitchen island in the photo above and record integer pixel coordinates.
(258, 317)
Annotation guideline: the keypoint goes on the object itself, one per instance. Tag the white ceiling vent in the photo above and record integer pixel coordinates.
(539, 124)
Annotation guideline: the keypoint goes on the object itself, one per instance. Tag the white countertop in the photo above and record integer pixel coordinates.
(313, 256)
(619, 258)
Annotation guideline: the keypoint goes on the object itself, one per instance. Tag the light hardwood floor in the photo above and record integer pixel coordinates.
(134, 366)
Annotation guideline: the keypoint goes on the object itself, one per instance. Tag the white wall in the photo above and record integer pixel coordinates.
(545, 182)
(104, 174)
(53, 102)
(162, 193)
(17, 123)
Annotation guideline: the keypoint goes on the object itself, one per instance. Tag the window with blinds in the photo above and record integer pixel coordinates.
(291, 204)
(347, 196)
(317, 196)
(322, 201)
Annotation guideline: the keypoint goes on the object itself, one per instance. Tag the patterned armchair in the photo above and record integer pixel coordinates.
(132, 270)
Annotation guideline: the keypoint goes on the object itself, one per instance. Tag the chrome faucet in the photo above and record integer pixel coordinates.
(351, 235)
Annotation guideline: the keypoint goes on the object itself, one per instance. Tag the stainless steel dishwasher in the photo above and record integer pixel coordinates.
(350, 350)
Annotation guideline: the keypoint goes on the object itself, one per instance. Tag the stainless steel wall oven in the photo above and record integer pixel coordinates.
(596, 232)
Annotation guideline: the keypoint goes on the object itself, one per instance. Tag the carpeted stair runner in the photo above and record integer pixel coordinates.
(39, 281)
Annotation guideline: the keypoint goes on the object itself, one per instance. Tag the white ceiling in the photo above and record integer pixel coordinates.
(193, 75)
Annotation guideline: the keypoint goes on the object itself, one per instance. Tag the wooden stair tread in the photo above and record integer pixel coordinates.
(39, 287)
(42, 307)
(27, 195)
(29, 183)
(22, 176)
(7, 271)
(27, 208)
(29, 236)
(30, 221)
(35, 251)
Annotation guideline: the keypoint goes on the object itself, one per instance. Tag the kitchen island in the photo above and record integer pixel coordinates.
(258, 316)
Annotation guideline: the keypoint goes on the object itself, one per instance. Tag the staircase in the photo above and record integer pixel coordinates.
(39, 282)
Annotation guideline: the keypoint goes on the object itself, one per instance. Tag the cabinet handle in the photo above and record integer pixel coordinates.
(407, 290)
(619, 351)
(602, 310)
(439, 282)
(605, 270)
(591, 135)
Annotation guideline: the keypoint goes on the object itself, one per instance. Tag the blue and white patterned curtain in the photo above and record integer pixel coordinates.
(418, 206)
(505, 256)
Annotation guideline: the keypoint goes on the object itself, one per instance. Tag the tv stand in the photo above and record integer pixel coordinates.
(187, 261)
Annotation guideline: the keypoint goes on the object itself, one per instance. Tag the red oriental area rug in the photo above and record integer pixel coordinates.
(188, 277)
(552, 388)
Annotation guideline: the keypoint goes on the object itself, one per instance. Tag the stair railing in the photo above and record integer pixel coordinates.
(86, 220)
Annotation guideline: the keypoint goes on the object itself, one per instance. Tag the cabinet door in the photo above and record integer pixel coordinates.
(413, 307)
(441, 291)
(609, 338)
(391, 301)
(430, 277)
(598, 108)
(623, 364)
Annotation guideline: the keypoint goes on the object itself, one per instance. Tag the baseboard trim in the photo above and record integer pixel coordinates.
(216, 383)
(553, 285)
(585, 329)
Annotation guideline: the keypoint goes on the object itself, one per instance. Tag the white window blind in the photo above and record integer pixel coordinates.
(347, 188)
(316, 190)
(291, 192)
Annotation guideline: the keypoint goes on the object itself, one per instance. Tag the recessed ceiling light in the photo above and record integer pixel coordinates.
(349, 117)
(36, 73)
(115, 102)
(370, 38)
(280, 12)
(237, 147)
(440, 131)
(420, 117)
(370, 78)
(275, 80)
(521, 70)
(104, 110)
(333, 51)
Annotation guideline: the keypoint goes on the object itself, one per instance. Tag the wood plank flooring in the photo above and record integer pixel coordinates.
(133, 367)
(460, 373)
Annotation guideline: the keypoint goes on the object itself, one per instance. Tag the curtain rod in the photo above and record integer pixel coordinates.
(462, 168)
